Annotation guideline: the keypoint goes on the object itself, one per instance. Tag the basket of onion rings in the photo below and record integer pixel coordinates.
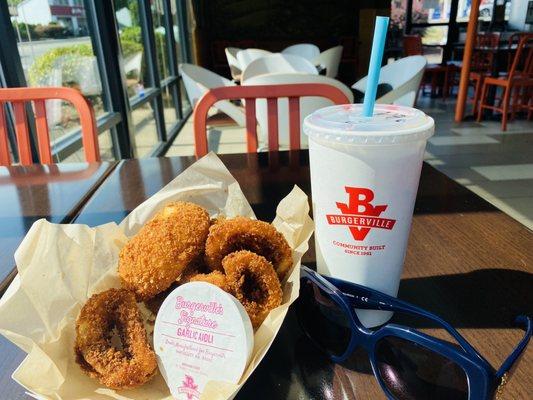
(78, 287)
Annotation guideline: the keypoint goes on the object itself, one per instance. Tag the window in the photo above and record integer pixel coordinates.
(55, 50)
(70, 43)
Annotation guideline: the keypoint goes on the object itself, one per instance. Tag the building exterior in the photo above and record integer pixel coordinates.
(68, 13)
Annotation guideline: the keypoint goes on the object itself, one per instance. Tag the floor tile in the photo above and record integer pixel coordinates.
(505, 172)
(456, 140)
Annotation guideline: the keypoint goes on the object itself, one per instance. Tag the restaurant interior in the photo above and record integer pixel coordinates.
(103, 103)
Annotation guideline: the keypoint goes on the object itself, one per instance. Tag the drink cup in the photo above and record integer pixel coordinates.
(364, 178)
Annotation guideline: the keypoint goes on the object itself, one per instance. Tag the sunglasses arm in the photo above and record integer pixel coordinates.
(372, 299)
(507, 365)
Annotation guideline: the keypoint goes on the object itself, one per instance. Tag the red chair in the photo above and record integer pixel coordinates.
(18, 97)
(520, 78)
(412, 46)
(271, 93)
(482, 64)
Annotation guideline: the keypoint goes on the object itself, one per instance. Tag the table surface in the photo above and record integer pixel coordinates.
(466, 261)
(54, 192)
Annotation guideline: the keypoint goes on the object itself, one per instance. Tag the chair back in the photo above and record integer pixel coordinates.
(404, 75)
(271, 93)
(484, 50)
(306, 50)
(512, 46)
(246, 56)
(307, 105)
(18, 98)
(522, 66)
(198, 81)
(488, 40)
(412, 45)
(278, 64)
(234, 66)
(330, 59)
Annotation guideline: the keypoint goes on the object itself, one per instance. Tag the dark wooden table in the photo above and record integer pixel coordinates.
(466, 261)
(53, 192)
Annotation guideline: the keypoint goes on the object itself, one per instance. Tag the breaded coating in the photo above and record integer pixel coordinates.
(216, 278)
(240, 233)
(252, 280)
(156, 256)
(118, 368)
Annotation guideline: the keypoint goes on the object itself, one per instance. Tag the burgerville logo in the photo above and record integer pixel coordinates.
(359, 215)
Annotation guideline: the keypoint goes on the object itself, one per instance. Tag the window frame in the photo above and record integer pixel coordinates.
(104, 35)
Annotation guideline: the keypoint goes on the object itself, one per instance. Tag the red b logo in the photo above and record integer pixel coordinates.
(359, 214)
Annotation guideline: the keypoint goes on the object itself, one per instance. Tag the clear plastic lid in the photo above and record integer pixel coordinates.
(390, 124)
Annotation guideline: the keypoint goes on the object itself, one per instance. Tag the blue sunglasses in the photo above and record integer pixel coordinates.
(408, 364)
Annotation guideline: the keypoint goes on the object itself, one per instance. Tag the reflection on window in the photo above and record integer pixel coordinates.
(145, 129)
(127, 14)
(105, 144)
(55, 50)
(486, 10)
(431, 11)
(163, 60)
(171, 116)
(175, 23)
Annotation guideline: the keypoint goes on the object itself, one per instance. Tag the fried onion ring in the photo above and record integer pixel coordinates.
(157, 255)
(253, 281)
(131, 366)
(240, 233)
(216, 278)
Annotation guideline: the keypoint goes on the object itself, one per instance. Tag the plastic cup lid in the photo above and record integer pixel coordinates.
(390, 124)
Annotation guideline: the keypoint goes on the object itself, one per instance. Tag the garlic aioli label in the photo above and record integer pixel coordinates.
(201, 333)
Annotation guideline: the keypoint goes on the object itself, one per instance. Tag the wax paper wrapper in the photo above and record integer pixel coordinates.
(61, 266)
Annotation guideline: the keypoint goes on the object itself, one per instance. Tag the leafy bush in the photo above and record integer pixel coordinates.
(131, 34)
(69, 58)
(129, 48)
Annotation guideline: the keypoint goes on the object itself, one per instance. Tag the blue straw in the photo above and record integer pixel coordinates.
(374, 67)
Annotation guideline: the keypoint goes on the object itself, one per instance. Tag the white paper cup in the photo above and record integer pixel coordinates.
(364, 179)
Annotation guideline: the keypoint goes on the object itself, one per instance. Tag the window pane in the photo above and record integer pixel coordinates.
(175, 23)
(434, 36)
(185, 105)
(127, 14)
(106, 150)
(145, 129)
(431, 11)
(486, 9)
(56, 50)
(168, 106)
(160, 38)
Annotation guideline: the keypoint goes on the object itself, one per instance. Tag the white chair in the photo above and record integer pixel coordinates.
(306, 50)
(278, 64)
(330, 59)
(198, 80)
(404, 76)
(234, 66)
(307, 104)
(245, 57)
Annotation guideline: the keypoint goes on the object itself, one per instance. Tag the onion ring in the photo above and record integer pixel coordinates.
(253, 281)
(116, 368)
(157, 255)
(240, 233)
(216, 278)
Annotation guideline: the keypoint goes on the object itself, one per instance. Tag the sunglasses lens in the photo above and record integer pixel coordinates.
(411, 372)
(323, 319)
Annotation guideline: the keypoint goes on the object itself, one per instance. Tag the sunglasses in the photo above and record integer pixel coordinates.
(408, 364)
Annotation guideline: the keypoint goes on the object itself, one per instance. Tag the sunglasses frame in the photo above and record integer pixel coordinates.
(483, 379)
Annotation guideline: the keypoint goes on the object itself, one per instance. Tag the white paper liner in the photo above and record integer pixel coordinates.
(61, 266)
